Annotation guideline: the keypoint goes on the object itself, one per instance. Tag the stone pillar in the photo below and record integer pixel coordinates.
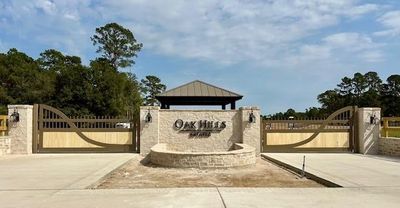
(5, 145)
(368, 130)
(20, 133)
(251, 131)
(149, 131)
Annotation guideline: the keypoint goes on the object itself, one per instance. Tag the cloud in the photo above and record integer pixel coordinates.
(47, 6)
(360, 10)
(293, 44)
(355, 45)
(51, 24)
(233, 31)
(226, 32)
(346, 47)
(391, 21)
(372, 56)
(350, 41)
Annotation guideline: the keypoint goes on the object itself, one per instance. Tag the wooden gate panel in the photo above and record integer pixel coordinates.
(333, 134)
(72, 139)
(324, 139)
(56, 132)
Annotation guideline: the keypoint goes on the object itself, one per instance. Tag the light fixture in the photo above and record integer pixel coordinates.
(373, 119)
(252, 117)
(148, 117)
(14, 117)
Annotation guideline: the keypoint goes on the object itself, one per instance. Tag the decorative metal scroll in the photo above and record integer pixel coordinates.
(339, 121)
(53, 120)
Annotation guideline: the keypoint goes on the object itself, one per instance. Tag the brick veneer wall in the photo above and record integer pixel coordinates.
(242, 155)
(389, 146)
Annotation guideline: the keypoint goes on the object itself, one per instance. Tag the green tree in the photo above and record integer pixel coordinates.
(359, 86)
(72, 89)
(97, 89)
(150, 87)
(331, 100)
(372, 94)
(391, 96)
(22, 81)
(114, 93)
(290, 113)
(117, 44)
(362, 90)
(64, 82)
(314, 112)
(131, 93)
(344, 90)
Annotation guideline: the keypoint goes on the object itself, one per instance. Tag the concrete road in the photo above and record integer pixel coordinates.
(56, 171)
(114, 198)
(60, 181)
(347, 170)
(205, 197)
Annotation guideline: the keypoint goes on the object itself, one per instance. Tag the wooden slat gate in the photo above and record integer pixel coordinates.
(390, 127)
(337, 133)
(54, 132)
(3, 125)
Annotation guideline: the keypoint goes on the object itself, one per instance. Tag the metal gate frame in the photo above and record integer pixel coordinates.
(49, 119)
(342, 120)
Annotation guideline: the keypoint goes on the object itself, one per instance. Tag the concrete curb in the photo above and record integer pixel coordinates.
(298, 171)
(108, 172)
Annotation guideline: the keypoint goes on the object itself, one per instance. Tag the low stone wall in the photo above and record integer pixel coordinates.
(389, 146)
(242, 155)
(5, 145)
(224, 128)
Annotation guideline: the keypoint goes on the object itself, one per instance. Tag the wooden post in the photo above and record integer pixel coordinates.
(3, 125)
(355, 126)
(40, 128)
(385, 127)
(233, 105)
(138, 136)
(262, 134)
(223, 107)
(35, 139)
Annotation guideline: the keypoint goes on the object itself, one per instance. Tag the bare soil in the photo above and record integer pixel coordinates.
(263, 174)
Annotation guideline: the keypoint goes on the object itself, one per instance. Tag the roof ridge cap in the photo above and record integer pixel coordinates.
(202, 82)
(220, 88)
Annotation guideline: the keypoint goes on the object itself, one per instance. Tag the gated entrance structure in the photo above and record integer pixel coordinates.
(54, 132)
(337, 133)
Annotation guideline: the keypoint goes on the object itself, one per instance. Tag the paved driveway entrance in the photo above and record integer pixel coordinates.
(58, 171)
(347, 170)
(59, 181)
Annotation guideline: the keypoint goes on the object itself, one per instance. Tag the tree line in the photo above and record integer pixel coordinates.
(62, 81)
(362, 90)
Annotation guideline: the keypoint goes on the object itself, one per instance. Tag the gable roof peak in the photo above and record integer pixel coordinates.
(198, 88)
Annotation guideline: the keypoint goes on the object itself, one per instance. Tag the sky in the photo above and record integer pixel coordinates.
(278, 54)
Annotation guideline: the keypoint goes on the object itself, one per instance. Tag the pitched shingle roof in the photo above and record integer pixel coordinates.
(198, 88)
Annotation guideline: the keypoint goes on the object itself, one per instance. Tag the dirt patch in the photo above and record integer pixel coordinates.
(263, 174)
